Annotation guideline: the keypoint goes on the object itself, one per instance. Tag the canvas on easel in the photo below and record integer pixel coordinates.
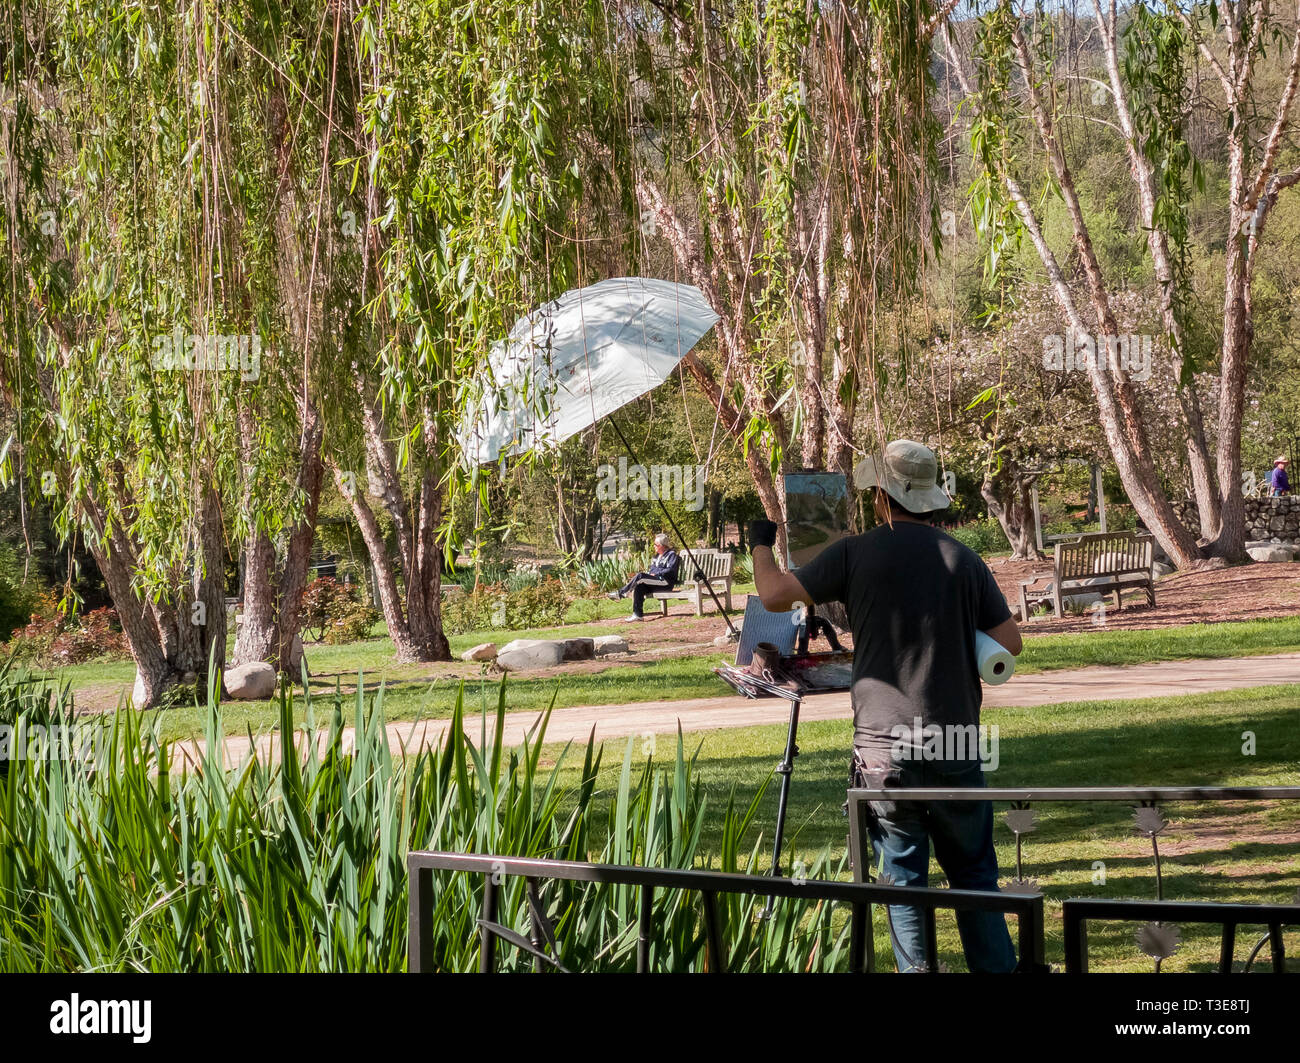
(817, 514)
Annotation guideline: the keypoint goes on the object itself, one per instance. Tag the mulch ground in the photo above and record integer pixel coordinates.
(1241, 592)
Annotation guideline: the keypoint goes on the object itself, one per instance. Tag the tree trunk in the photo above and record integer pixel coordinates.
(390, 598)
(256, 637)
(272, 614)
(1010, 504)
(297, 559)
(1228, 540)
(424, 596)
(415, 624)
(163, 637)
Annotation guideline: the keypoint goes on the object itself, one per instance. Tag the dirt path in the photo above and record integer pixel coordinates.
(706, 714)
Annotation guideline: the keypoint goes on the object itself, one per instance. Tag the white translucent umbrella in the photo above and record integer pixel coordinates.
(575, 360)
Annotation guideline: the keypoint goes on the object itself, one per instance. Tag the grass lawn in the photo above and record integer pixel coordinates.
(1211, 851)
(1140, 646)
(412, 693)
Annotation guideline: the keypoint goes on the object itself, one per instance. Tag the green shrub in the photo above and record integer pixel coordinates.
(487, 573)
(742, 570)
(985, 537)
(19, 598)
(123, 863)
(477, 609)
(543, 605)
(492, 606)
(349, 620)
(609, 573)
(522, 578)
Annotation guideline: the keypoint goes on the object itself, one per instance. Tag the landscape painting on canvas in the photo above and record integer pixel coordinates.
(817, 504)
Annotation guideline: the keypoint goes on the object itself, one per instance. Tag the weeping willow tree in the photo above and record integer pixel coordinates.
(782, 152)
(163, 315)
(468, 186)
(1030, 93)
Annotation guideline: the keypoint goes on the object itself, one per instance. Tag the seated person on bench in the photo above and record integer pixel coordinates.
(663, 575)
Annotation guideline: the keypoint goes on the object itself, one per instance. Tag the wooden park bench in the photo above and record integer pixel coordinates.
(716, 566)
(1104, 562)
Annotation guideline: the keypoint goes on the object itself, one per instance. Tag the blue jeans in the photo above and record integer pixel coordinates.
(962, 835)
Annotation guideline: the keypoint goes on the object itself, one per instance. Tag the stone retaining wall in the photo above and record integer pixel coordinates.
(1266, 518)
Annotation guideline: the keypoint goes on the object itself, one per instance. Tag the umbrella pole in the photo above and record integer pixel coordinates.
(680, 537)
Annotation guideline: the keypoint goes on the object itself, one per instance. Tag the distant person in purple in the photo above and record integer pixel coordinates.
(1277, 480)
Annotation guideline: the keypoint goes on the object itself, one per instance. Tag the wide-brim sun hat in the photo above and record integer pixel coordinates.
(1281, 461)
(908, 472)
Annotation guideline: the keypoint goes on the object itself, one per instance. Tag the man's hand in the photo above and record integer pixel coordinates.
(777, 590)
(762, 533)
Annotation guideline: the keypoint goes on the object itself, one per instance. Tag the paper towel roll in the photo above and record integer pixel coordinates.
(994, 661)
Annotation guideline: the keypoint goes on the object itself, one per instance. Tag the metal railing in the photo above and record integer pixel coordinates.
(1159, 912)
(1027, 907)
(1076, 913)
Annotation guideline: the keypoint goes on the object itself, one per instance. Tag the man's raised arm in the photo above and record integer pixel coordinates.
(777, 590)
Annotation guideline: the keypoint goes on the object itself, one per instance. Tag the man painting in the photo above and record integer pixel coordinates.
(915, 599)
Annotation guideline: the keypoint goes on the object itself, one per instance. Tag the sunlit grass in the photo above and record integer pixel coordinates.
(1223, 852)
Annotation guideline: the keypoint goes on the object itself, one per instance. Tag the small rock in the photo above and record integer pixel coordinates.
(581, 649)
(484, 651)
(608, 644)
(522, 654)
(1160, 568)
(1270, 553)
(254, 681)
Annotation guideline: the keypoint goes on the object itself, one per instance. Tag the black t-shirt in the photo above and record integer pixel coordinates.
(915, 598)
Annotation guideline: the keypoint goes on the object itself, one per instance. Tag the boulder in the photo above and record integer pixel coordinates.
(254, 681)
(1161, 568)
(522, 654)
(582, 649)
(484, 651)
(607, 644)
(1081, 602)
(1271, 552)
